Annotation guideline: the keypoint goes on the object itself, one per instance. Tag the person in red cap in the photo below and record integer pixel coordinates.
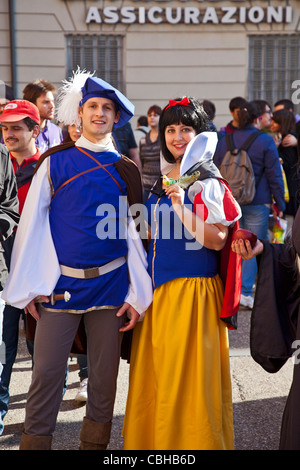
(20, 127)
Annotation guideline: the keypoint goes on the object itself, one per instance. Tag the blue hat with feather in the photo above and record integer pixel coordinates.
(96, 87)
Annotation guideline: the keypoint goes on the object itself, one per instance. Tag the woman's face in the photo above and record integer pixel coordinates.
(177, 137)
(74, 132)
(274, 127)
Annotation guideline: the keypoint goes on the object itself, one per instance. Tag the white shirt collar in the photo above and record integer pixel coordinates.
(107, 146)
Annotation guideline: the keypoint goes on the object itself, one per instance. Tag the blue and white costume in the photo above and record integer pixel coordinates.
(61, 245)
(70, 238)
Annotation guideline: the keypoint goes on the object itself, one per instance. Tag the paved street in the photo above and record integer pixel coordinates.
(258, 399)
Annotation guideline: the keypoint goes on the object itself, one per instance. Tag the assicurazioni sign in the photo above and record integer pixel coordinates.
(190, 14)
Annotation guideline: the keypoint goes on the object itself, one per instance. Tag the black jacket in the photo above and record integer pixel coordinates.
(275, 327)
(9, 206)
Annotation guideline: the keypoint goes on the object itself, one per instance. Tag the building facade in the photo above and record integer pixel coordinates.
(157, 50)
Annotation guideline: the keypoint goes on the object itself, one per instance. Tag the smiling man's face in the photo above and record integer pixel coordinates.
(98, 117)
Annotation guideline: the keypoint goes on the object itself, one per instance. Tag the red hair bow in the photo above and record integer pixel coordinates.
(184, 102)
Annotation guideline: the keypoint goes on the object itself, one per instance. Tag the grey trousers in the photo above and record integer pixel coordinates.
(54, 336)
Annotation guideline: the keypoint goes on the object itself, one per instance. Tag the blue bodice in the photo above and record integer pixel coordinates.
(173, 253)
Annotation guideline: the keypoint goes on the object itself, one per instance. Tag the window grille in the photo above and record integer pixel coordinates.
(102, 54)
(274, 64)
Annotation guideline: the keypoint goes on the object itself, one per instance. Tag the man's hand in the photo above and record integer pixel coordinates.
(243, 248)
(289, 141)
(31, 307)
(134, 316)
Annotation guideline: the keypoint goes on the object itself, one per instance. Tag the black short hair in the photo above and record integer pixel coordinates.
(209, 108)
(143, 121)
(287, 104)
(236, 103)
(261, 105)
(30, 123)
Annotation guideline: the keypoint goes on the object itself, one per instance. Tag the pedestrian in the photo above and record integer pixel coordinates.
(20, 126)
(275, 325)
(264, 118)
(268, 187)
(125, 143)
(234, 106)
(149, 150)
(283, 124)
(289, 106)
(9, 218)
(67, 250)
(6, 95)
(179, 385)
(210, 109)
(41, 93)
(142, 129)
(72, 132)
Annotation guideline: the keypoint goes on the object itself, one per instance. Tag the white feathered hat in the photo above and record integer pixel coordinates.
(69, 97)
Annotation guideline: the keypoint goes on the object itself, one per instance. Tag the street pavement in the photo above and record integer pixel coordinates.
(258, 399)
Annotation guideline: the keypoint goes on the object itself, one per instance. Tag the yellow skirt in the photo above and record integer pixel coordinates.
(179, 385)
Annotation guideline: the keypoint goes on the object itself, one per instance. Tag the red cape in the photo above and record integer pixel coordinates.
(230, 273)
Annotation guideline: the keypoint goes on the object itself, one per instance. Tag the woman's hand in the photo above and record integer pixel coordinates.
(176, 193)
(244, 249)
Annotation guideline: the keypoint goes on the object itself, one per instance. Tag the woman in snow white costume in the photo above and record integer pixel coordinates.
(180, 387)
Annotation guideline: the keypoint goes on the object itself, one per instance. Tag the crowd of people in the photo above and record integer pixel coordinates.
(164, 295)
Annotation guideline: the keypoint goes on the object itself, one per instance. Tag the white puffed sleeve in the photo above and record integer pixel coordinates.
(34, 266)
(214, 202)
(140, 290)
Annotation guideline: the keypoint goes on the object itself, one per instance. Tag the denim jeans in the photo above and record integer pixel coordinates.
(11, 319)
(83, 367)
(256, 219)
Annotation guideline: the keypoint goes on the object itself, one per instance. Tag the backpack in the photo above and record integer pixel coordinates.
(236, 168)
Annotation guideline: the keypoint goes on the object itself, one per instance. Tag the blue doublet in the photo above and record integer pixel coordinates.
(87, 226)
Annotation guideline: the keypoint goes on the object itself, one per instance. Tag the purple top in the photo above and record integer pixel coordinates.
(50, 136)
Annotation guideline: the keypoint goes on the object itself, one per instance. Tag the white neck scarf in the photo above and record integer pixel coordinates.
(107, 145)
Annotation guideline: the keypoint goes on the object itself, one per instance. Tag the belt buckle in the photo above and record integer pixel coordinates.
(91, 273)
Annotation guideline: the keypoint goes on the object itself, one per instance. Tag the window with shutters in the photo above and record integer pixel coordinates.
(102, 54)
(274, 64)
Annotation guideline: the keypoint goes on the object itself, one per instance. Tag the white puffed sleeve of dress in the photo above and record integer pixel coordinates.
(214, 202)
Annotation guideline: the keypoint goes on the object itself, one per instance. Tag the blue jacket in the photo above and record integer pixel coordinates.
(264, 157)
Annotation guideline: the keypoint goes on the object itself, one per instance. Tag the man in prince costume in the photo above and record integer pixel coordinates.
(61, 247)
(179, 385)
